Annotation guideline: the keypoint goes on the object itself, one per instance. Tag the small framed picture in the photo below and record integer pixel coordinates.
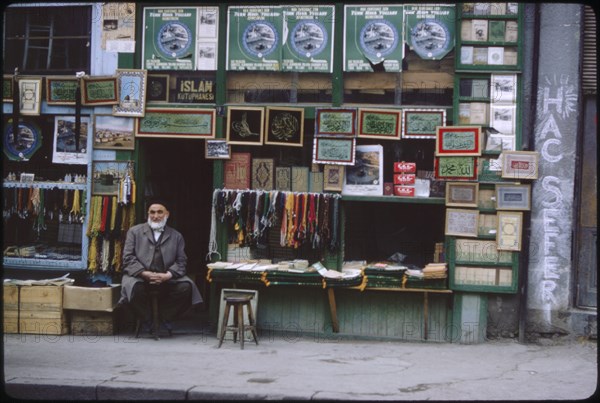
(503, 88)
(263, 173)
(283, 178)
(462, 222)
(30, 96)
(461, 194)
(245, 125)
(285, 126)
(26, 178)
(333, 178)
(217, 150)
(7, 88)
(365, 176)
(99, 91)
(113, 132)
(458, 140)
(300, 179)
(61, 90)
(107, 175)
(503, 118)
(335, 122)
(131, 86)
(158, 88)
(513, 197)
(334, 150)
(510, 224)
(379, 123)
(422, 123)
(520, 164)
(70, 146)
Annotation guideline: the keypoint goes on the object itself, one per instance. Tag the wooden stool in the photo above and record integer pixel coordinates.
(237, 302)
(153, 293)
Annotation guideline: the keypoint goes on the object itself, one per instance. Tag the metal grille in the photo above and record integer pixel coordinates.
(590, 59)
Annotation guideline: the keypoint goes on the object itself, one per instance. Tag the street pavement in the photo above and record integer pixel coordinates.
(287, 366)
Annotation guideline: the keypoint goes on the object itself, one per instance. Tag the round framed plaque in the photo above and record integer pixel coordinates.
(22, 146)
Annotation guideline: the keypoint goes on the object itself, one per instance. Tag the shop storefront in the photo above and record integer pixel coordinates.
(373, 171)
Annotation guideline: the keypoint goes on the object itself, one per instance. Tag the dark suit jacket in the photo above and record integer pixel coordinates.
(139, 250)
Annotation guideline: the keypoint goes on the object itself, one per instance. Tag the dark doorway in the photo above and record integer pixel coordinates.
(176, 170)
(587, 223)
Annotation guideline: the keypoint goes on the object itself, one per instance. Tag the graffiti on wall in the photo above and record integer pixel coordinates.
(557, 105)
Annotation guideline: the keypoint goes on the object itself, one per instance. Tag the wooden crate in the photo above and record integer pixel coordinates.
(11, 308)
(91, 298)
(92, 323)
(41, 310)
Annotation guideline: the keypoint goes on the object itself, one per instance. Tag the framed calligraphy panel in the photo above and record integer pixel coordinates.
(285, 126)
(520, 164)
(61, 90)
(462, 222)
(422, 123)
(177, 122)
(462, 194)
(7, 88)
(510, 224)
(158, 88)
(379, 123)
(30, 95)
(455, 168)
(245, 125)
(513, 197)
(335, 122)
(334, 150)
(99, 91)
(458, 140)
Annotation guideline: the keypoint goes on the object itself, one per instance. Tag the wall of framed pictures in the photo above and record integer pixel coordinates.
(487, 94)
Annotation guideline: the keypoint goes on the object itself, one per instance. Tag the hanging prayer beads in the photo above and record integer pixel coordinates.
(303, 217)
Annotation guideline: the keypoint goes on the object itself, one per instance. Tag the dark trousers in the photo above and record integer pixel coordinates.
(174, 298)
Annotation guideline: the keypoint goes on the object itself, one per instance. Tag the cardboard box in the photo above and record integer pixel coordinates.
(92, 323)
(404, 179)
(407, 191)
(41, 310)
(92, 298)
(405, 167)
(11, 308)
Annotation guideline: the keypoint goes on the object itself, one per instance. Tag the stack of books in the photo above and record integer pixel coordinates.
(435, 270)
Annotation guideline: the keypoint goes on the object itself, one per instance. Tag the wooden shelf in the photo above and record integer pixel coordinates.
(395, 199)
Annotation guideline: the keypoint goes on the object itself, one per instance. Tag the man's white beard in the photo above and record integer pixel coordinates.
(156, 226)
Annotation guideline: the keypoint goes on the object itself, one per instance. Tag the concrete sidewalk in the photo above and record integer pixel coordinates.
(189, 366)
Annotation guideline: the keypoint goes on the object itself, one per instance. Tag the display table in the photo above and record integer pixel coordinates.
(280, 278)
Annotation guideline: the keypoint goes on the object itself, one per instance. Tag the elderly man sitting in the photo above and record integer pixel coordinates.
(154, 260)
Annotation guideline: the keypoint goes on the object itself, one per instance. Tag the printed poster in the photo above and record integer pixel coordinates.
(430, 29)
(169, 38)
(118, 27)
(374, 36)
(308, 38)
(254, 37)
(70, 148)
